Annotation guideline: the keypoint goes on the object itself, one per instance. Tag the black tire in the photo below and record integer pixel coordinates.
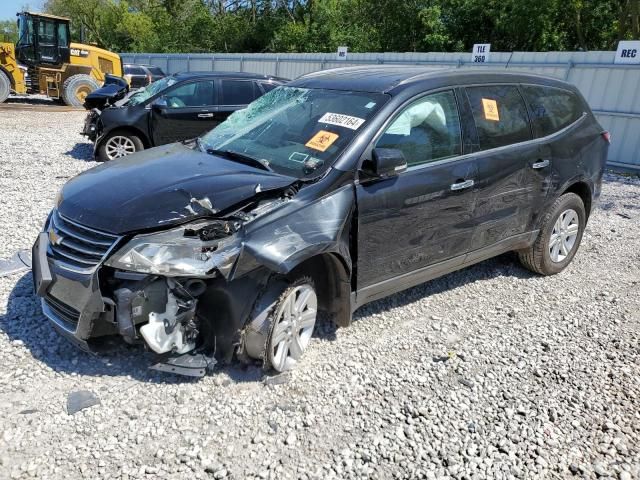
(103, 154)
(5, 86)
(260, 331)
(537, 258)
(76, 88)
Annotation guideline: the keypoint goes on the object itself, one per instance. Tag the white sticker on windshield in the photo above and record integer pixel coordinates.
(370, 105)
(341, 120)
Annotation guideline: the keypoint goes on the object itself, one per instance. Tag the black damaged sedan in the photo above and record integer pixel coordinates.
(340, 188)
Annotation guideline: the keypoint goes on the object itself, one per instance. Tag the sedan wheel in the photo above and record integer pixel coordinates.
(119, 146)
(292, 327)
(564, 235)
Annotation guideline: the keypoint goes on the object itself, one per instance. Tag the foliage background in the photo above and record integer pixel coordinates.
(363, 25)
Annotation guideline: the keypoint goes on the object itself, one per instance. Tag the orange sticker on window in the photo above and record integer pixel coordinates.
(322, 140)
(490, 109)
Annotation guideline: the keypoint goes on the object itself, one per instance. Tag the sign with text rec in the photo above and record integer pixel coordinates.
(480, 53)
(628, 52)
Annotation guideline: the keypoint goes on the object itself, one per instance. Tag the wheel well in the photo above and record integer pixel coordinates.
(332, 281)
(129, 130)
(584, 192)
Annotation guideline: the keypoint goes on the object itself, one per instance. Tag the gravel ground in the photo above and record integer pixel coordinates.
(490, 372)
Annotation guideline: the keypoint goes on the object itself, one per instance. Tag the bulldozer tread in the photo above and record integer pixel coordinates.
(5, 86)
(71, 86)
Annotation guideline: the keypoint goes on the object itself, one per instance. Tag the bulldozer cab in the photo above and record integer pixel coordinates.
(42, 39)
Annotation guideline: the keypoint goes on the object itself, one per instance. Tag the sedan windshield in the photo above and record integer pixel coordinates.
(150, 90)
(295, 131)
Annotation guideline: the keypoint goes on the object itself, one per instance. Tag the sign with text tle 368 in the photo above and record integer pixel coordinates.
(480, 53)
(628, 52)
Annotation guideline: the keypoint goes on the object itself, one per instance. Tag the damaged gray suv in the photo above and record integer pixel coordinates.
(340, 188)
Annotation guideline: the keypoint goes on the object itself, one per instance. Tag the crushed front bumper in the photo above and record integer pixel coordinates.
(91, 127)
(72, 301)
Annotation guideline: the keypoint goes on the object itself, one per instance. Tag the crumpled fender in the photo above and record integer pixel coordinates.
(302, 231)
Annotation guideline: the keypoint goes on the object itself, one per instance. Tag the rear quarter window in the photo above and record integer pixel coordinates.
(551, 109)
(238, 92)
(134, 70)
(499, 114)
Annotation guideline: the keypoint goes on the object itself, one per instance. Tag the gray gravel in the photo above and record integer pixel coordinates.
(490, 372)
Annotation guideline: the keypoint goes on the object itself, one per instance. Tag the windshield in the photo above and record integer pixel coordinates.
(150, 90)
(295, 131)
(25, 28)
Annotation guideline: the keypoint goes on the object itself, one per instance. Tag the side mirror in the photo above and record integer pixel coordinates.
(385, 163)
(159, 105)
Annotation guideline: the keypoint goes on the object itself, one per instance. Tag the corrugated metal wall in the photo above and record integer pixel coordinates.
(613, 91)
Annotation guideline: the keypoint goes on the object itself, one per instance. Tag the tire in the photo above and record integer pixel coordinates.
(271, 336)
(559, 238)
(5, 86)
(76, 88)
(117, 145)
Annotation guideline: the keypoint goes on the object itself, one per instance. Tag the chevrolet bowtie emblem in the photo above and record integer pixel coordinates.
(54, 238)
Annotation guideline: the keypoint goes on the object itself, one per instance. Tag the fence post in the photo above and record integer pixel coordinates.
(568, 72)
(213, 63)
(277, 66)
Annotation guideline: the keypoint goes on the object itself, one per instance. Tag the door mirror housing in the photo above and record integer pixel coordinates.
(159, 104)
(385, 163)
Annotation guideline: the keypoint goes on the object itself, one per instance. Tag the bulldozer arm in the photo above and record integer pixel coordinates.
(9, 66)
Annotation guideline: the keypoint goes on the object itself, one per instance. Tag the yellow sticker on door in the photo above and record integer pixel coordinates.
(322, 140)
(490, 109)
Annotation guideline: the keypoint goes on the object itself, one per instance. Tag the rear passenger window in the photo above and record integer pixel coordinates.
(500, 115)
(237, 92)
(551, 109)
(425, 131)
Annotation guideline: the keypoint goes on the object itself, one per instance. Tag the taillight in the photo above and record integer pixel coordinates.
(149, 79)
(607, 136)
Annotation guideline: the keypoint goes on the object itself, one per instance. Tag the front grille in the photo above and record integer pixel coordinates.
(63, 312)
(80, 248)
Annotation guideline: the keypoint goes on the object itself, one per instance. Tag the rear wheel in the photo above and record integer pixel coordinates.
(76, 88)
(119, 144)
(559, 237)
(5, 86)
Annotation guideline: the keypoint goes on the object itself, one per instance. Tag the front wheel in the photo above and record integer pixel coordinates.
(5, 86)
(119, 144)
(559, 238)
(281, 331)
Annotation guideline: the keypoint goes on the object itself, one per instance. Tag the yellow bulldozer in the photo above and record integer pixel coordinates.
(45, 61)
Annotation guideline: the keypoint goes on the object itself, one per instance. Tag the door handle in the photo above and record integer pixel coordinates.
(541, 164)
(462, 185)
(205, 115)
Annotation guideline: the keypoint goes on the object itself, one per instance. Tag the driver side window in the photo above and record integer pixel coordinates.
(427, 130)
(194, 94)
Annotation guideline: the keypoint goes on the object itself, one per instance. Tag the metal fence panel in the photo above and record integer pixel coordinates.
(613, 91)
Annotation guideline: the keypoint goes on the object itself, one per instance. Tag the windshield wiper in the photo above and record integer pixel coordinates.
(240, 158)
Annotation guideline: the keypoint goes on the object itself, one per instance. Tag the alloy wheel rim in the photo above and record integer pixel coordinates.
(119, 146)
(564, 235)
(295, 320)
(82, 92)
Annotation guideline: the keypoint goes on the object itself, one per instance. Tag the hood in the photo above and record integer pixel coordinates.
(162, 186)
(114, 89)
